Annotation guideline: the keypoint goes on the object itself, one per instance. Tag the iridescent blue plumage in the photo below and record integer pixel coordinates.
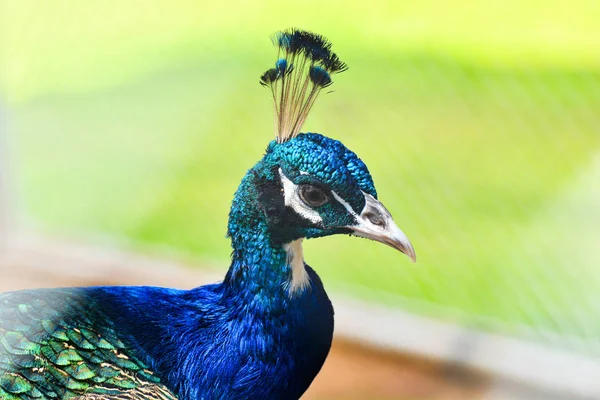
(263, 333)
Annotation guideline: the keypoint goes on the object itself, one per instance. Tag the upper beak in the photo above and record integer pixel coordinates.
(375, 222)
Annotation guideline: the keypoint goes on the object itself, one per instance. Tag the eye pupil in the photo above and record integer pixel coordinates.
(315, 196)
(312, 195)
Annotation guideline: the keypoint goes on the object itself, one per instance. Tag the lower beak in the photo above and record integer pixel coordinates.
(376, 223)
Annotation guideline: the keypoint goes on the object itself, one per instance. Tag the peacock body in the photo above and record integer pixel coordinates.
(262, 333)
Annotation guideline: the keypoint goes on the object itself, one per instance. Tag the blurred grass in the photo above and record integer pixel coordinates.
(479, 124)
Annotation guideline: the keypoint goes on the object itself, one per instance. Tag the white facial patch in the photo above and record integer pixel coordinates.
(292, 199)
(299, 280)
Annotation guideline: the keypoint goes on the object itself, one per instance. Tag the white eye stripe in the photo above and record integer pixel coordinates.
(292, 199)
(343, 202)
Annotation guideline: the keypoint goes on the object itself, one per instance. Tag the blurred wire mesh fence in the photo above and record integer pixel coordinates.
(493, 174)
(491, 167)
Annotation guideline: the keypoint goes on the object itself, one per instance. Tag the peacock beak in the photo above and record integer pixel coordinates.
(375, 222)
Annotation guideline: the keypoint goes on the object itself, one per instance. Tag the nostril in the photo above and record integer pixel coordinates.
(374, 218)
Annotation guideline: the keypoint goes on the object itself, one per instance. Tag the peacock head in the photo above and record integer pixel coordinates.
(308, 185)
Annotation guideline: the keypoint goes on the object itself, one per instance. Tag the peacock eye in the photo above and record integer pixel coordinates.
(313, 196)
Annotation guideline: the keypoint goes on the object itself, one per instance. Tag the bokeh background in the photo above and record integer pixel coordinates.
(133, 122)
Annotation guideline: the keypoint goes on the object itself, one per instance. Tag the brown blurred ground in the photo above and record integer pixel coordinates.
(352, 371)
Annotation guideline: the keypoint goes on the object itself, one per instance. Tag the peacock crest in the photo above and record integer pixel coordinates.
(303, 68)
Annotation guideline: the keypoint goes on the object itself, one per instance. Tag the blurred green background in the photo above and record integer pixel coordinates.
(480, 123)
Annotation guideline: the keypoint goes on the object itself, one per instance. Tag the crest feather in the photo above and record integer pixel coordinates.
(304, 66)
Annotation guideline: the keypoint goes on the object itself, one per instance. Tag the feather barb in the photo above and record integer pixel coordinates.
(305, 63)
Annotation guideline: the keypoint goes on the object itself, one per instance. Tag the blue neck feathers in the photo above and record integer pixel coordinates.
(259, 260)
(259, 265)
(243, 338)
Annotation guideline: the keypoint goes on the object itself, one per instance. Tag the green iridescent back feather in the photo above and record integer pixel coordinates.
(54, 344)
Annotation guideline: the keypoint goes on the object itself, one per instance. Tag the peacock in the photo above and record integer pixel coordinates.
(263, 332)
